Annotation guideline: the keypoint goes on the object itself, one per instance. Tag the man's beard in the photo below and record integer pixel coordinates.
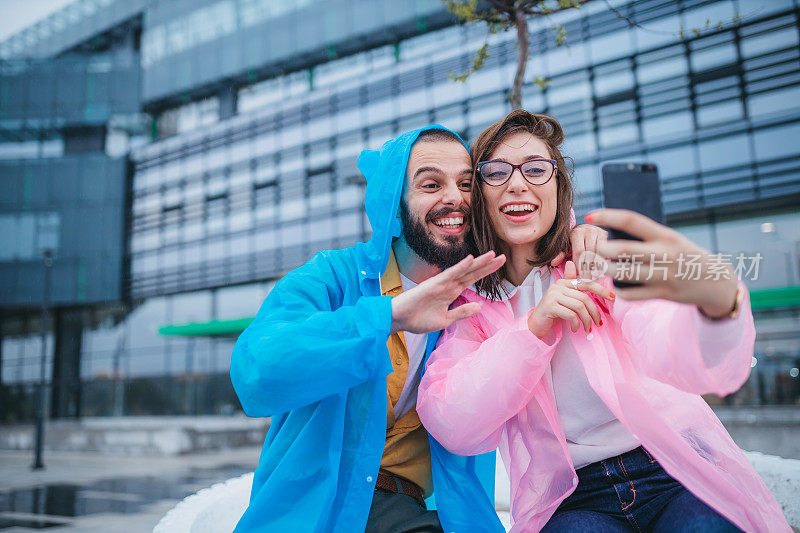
(423, 244)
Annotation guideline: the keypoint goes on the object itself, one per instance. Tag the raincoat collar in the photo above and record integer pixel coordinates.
(385, 171)
(390, 280)
(508, 289)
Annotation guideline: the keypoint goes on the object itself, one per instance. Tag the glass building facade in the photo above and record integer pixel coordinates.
(251, 166)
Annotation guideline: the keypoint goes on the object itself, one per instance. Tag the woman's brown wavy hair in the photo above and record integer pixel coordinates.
(556, 240)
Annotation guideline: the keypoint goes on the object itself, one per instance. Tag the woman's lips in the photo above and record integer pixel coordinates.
(519, 216)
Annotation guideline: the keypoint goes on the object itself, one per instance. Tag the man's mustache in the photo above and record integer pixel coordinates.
(433, 215)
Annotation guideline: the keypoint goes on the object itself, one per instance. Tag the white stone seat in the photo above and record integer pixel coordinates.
(216, 509)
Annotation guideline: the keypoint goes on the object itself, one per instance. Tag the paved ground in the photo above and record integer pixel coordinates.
(93, 492)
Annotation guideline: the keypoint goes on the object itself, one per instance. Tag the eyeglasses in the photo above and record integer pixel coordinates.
(535, 171)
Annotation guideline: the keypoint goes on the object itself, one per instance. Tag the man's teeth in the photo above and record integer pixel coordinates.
(518, 207)
(449, 223)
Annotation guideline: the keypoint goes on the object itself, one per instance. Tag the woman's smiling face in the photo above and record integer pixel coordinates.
(521, 213)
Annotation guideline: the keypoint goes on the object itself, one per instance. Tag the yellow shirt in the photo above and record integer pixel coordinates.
(406, 453)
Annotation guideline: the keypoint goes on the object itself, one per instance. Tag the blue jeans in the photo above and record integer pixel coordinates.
(631, 492)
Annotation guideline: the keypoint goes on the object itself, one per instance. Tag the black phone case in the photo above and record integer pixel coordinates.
(632, 186)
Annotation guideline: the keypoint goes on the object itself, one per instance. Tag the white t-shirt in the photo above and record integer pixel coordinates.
(415, 344)
(593, 432)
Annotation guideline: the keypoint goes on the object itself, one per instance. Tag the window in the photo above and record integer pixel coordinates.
(667, 126)
(719, 113)
(565, 58)
(564, 90)
(769, 41)
(661, 69)
(777, 142)
(24, 236)
(610, 45)
(610, 82)
(725, 152)
(153, 45)
(708, 58)
(617, 135)
(774, 102)
(241, 301)
(672, 162)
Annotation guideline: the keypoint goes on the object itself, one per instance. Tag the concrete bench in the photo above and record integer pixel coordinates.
(216, 509)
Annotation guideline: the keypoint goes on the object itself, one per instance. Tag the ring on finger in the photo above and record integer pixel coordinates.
(576, 282)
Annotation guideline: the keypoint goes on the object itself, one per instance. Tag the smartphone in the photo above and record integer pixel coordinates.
(633, 186)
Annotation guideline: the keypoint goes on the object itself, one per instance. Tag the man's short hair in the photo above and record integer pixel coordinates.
(437, 135)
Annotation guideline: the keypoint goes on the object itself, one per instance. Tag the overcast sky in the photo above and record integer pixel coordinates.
(16, 15)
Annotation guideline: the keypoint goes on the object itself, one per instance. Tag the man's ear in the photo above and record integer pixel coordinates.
(402, 199)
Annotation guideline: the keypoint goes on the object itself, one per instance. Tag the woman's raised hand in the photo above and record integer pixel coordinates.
(566, 299)
(582, 238)
(665, 264)
(425, 308)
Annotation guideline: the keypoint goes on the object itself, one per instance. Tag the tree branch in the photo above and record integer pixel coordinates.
(501, 6)
(530, 11)
(521, 22)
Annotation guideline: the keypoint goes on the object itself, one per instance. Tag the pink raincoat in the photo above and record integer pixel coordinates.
(649, 362)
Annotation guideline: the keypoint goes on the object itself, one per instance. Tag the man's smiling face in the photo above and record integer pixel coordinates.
(435, 205)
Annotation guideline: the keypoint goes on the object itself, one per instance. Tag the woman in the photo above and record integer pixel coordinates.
(593, 400)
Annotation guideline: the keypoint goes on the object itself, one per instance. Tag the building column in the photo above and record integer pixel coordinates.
(3, 396)
(227, 102)
(66, 391)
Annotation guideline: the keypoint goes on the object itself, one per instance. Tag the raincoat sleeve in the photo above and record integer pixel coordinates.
(472, 384)
(675, 344)
(304, 346)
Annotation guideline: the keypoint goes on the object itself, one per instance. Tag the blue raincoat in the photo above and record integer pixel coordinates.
(315, 360)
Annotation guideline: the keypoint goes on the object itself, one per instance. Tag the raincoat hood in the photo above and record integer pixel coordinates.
(385, 171)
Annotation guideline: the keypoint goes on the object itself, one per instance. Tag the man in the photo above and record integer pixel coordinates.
(335, 354)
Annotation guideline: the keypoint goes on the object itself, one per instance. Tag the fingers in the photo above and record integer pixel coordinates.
(588, 286)
(622, 248)
(465, 266)
(591, 242)
(450, 283)
(577, 240)
(461, 312)
(570, 270)
(569, 316)
(632, 222)
(588, 303)
(579, 308)
(639, 273)
(601, 239)
(481, 271)
(461, 267)
(641, 292)
(558, 259)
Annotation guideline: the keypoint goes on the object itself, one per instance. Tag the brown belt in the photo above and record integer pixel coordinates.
(389, 482)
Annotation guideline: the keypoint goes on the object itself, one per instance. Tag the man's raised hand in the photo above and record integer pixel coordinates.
(425, 308)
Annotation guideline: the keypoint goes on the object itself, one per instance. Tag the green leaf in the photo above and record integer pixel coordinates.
(561, 35)
(481, 55)
(465, 11)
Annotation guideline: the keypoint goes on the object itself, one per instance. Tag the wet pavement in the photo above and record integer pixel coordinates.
(89, 492)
